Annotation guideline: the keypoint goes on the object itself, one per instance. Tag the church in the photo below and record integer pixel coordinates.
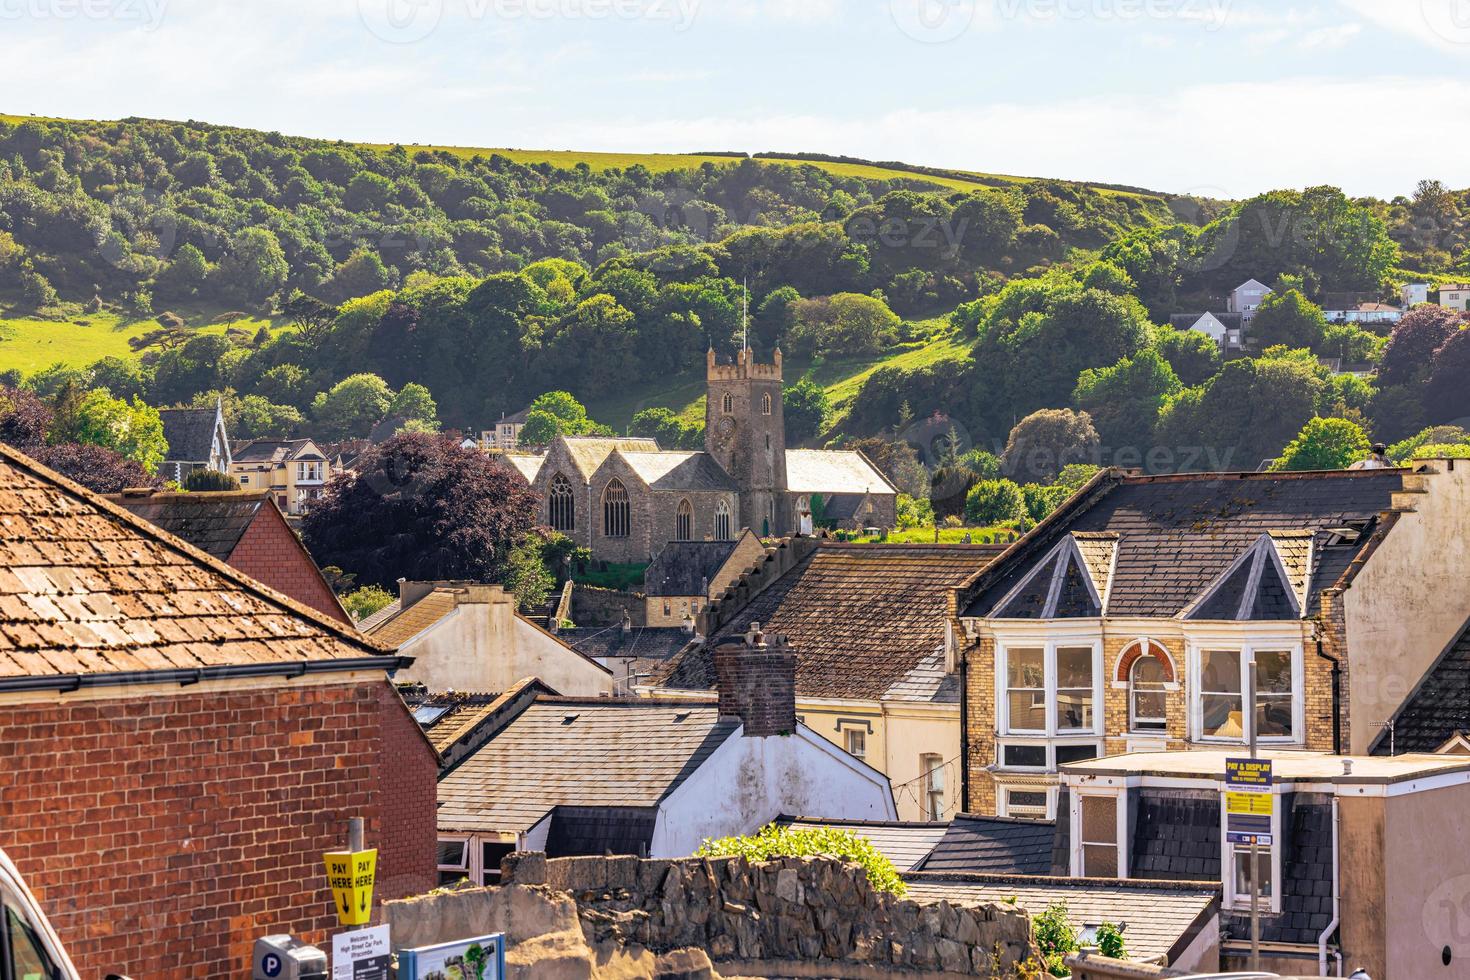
(625, 498)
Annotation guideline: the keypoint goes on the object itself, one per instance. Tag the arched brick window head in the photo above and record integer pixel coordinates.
(1139, 648)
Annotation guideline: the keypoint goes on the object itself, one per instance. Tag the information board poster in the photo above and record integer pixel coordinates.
(481, 958)
(361, 955)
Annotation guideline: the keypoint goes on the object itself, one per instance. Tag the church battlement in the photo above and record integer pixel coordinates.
(744, 368)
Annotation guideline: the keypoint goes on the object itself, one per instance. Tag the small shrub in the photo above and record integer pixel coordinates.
(363, 602)
(1442, 451)
(1110, 942)
(206, 480)
(774, 842)
(1055, 938)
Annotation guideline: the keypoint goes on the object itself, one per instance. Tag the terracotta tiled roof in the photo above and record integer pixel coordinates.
(862, 618)
(87, 591)
(569, 752)
(396, 630)
(1179, 534)
(211, 522)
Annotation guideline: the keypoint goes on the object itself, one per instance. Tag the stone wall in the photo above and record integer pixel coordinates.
(805, 912)
(592, 606)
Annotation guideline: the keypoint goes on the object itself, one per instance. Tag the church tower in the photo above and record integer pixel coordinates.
(745, 432)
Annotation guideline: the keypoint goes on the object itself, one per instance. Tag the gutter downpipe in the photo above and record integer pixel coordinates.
(1336, 913)
(960, 664)
(1336, 698)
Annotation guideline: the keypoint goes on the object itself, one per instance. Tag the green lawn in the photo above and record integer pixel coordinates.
(30, 344)
(953, 535)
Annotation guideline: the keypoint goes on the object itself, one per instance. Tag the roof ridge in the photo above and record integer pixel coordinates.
(1228, 476)
(19, 459)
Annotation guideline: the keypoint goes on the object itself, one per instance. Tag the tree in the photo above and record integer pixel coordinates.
(1409, 354)
(1448, 395)
(1040, 500)
(361, 274)
(413, 401)
(35, 290)
(1288, 318)
(24, 419)
(897, 461)
(1193, 355)
(556, 413)
(205, 480)
(97, 468)
(807, 409)
(362, 603)
(844, 324)
(120, 377)
(424, 508)
(994, 502)
(1325, 444)
(255, 265)
(526, 575)
(133, 430)
(1045, 441)
(1243, 415)
(774, 318)
(185, 273)
(1123, 402)
(353, 406)
(671, 431)
(1351, 343)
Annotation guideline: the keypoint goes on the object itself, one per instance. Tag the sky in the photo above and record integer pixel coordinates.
(1224, 98)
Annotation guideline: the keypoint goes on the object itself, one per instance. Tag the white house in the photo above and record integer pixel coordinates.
(466, 637)
(1365, 313)
(1455, 297)
(507, 432)
(651, 777)
(1246, 298)
(1414, 293)
(1227, 330)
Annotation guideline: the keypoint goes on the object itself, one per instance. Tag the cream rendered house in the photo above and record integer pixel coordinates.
(295, 471)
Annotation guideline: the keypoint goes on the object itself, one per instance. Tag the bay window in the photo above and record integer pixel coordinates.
(1049, 694)
(1221, 679)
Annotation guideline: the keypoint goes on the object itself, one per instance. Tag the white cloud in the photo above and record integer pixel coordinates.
(1442, 24)
(1330, 37)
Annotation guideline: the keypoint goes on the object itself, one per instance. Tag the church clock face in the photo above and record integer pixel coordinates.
(725, 430)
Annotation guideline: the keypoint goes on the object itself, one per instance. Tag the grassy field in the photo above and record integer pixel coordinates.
(29, 345)
(953, 535)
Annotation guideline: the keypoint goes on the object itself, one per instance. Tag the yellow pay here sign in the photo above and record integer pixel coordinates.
(1257, 804)
(351, 875)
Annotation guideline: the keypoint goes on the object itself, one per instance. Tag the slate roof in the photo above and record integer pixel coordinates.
(89, 590)
(994, 845)
(526, 465)
(862, 617)
(652, 643)
(589, 452)
(906, 844)
(1178, 534)
(1439, 706)
(189, 433)
(397, 629)
(679, 471)
(831, 471)
(446, 717)
(571, 752)
(367, 623)
(211, 522)
(685, 568)
(1162, 918)
(593, 831)
(277, 451)
(1186, 321)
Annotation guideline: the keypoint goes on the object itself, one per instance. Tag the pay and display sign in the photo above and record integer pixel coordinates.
(351, 875)
(1249, 801)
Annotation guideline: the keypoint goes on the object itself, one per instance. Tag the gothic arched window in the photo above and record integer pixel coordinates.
(684, 522)
(722, 521)
(766, 403)
(616, 514)
(727, 404)
(561, 504)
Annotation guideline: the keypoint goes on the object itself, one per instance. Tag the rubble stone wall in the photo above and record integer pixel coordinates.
(794, 910)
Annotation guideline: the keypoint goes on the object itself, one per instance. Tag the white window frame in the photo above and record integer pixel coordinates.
(1248, 646)
(1233, 900)
(467, 866)
(1145, 646)
(1048, 645)
(931, 773)
(1120, 808)
(1046, 812)
(862, 738)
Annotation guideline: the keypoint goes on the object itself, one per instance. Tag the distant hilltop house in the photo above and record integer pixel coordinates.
(1227, 330)
(196, 439)
(295, 471)
(1246, 298)
(1455, 297)
(507, 432)
(625, 498)
(1365, 313)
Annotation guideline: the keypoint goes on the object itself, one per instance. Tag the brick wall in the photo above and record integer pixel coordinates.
(270, 552)
(165, 831)
(757, 684)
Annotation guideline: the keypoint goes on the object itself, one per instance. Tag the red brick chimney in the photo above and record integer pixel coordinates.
(756, 678)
